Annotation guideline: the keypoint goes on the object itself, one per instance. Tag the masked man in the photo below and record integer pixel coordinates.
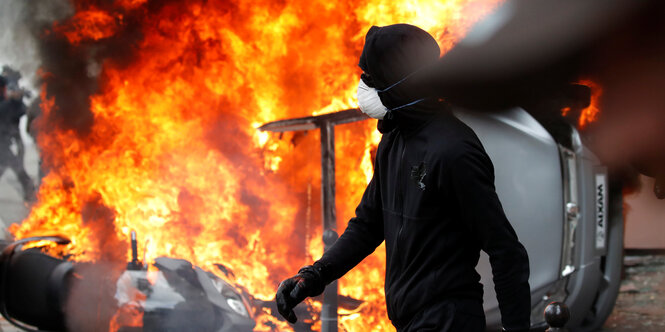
(431, 199)
(11, 110)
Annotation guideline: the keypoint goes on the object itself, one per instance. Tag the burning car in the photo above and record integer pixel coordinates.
(565, 208)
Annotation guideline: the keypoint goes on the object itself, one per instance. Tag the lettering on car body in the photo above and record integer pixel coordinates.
(601, 213)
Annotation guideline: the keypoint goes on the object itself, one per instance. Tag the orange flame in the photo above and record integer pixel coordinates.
(91, 24)
(591, 113)
(173, 152)
(127, 316)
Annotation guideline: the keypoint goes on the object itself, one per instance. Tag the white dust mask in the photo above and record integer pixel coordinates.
(369, 101)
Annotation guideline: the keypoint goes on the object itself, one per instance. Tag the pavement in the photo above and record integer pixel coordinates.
(641, 302)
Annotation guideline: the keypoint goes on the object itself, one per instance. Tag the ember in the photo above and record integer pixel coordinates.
(150, 116)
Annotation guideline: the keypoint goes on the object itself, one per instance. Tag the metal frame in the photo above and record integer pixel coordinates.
(326, 123)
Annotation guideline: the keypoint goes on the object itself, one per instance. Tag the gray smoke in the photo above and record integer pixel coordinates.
(20, 22)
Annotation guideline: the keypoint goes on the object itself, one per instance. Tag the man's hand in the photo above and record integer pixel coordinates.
(308, 282)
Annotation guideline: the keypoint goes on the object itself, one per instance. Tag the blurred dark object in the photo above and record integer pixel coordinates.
(557, 315)
(524, 48)
(532, 50)
(34, 286)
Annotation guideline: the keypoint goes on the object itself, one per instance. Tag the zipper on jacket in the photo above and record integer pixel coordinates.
(400, 204)
(400, 195)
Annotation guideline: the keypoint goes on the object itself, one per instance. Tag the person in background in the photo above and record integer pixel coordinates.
(431, 199)
(11, 110)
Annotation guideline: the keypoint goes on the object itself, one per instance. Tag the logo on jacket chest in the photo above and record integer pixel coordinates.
(418, 173)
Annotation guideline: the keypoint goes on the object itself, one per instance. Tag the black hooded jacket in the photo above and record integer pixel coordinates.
(11, 111)
(432, 199)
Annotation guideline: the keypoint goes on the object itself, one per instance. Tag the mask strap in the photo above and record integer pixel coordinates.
(396, 83)
(407, 105)
(388, 114)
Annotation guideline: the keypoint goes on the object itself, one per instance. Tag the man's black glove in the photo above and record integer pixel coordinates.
(308, 282)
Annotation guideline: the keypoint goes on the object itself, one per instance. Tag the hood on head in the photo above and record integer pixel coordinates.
(393, 52)
(390, 54)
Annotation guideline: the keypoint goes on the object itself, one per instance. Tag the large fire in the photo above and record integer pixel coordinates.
(172, 150)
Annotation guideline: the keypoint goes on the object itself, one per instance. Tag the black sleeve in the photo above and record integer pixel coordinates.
(15, 110)
(20, 109)
(360, 238)
(473, 181)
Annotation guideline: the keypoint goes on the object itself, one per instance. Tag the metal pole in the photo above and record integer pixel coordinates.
(326, 123)
(329, 307)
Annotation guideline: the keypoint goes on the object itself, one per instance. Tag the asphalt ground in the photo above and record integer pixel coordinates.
(641, 302)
